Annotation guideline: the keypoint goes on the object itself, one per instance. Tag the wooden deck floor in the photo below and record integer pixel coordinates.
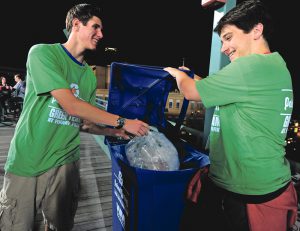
(95, 204)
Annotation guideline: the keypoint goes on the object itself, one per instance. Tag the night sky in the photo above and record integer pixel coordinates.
(152, 32)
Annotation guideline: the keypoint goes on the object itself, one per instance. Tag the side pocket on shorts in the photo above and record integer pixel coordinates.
(7, 211)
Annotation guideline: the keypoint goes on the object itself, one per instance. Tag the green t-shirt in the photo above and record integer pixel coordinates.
(253, 101)
(46, 136)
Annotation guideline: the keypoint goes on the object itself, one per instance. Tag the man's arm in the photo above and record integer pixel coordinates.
(76, 107)
(101, 130)
(196, 77)
(186, 85)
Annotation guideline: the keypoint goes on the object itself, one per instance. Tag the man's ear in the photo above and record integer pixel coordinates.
(75, 24)
(258, 30)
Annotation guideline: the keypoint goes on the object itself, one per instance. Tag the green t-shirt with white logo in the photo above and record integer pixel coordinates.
(46, 136)
(253, 100)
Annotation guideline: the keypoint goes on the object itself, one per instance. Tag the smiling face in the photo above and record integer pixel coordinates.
(89, 34)
(235, 43)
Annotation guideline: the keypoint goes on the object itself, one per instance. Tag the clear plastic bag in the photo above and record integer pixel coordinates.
(153, 151)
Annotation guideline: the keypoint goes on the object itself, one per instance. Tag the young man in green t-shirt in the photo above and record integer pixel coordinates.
(42, 163)
(249, 181)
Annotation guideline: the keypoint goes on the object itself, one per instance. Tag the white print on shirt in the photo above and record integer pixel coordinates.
(53, 100)
(215, 124)
(288, 104)
(75, 89)
(58, 116)
(286, 123)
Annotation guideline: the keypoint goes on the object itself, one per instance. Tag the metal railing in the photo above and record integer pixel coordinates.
(101, 103)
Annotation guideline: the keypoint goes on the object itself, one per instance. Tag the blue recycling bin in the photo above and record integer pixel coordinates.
(146, 200)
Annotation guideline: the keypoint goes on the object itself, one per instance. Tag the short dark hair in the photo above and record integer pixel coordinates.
(84, 12)
(18, 76)
(245, 16)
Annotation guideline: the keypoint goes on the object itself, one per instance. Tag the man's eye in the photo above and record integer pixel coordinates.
(227, 38)
(96, 27)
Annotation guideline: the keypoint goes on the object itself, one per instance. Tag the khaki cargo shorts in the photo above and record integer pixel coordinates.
(55, 192)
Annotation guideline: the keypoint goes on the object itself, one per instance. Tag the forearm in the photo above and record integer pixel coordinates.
(93, 114)
(187, 86)
(96, 129)
(92, 128)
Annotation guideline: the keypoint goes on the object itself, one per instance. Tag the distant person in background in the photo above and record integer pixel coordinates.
(5, 93)
(248, 186)
(19, 88)
(42, 167)
(4, 84)
(15, 102)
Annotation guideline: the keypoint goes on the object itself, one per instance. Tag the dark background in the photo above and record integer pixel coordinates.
(159, 33)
